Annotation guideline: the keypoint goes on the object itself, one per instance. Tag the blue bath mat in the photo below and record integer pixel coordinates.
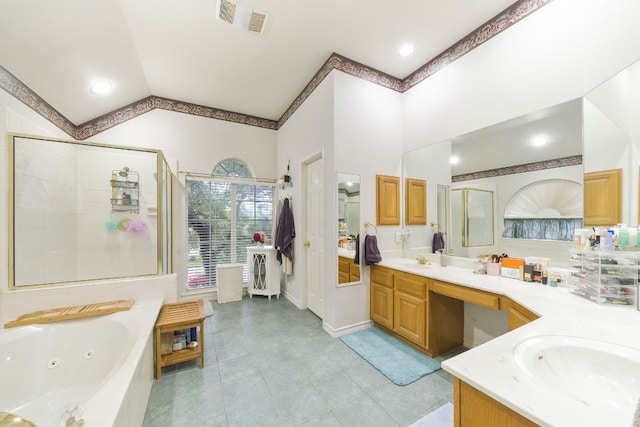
(394, 359)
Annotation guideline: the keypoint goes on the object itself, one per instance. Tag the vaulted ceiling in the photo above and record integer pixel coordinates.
(179, 55)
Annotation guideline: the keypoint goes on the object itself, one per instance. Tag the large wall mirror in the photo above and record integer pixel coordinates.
(490, 166)
(84, 211)
(348, 192)
(596, 132)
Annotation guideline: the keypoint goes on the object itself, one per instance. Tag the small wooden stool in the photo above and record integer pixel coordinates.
(175, 317)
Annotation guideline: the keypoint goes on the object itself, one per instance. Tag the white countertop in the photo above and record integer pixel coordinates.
(347, 253)
(492, 368)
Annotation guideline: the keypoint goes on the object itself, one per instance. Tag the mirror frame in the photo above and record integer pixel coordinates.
(164, 179)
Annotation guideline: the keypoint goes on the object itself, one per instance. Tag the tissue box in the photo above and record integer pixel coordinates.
(511, 267)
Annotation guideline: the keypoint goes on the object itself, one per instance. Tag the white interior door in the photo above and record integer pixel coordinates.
(315, 237)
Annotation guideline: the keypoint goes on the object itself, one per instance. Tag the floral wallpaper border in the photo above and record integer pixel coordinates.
(510, 16)
(527, 167)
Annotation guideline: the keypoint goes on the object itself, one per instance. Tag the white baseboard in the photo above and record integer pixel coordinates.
(346, 329)
(293, 300)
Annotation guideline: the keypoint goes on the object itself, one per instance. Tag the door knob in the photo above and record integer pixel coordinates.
(307, 244)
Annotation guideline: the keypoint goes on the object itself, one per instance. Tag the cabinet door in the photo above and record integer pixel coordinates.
(343, 270)
(354, 272)
(603, 197)
(416, 201)
(475, 409)
(387, 200)
(410, 307)
(409, 317)
(382, 305)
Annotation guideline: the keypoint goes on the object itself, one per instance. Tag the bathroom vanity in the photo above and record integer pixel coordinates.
(505, 381)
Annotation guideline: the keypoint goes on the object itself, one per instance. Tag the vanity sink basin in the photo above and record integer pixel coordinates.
(600, 375)
(408, 262)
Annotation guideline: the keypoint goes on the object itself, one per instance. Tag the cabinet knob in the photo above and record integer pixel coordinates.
(307, 244)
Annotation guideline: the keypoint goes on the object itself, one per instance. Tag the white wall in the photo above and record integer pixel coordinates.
(367, 142)
(305, 136)
(195, 144)
(557, 54)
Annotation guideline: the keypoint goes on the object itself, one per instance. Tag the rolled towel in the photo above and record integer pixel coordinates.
(371, 251)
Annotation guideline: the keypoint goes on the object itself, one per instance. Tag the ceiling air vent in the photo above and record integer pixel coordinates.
(242, 16)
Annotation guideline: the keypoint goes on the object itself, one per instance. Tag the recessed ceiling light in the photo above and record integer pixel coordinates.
(101, 88)
(539, 141)
(455, 160)
(406, 50)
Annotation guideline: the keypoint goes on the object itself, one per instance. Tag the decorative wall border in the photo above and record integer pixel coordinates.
(527, 167)
(505, 19)
(142, 106)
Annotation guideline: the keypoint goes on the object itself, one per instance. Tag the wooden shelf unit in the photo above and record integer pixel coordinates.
(176, 317)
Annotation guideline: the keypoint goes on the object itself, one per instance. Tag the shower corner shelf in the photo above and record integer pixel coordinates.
(125, 192)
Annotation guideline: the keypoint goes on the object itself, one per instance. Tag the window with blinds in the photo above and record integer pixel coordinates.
(223, 213)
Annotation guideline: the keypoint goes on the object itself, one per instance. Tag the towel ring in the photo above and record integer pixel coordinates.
(367, 227)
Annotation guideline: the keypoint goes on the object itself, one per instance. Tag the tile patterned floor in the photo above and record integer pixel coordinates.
(268, 363)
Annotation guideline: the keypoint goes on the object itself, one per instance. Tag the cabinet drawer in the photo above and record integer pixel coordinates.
(474, 296)
(411, 285)
(382, 276)
(343, 265)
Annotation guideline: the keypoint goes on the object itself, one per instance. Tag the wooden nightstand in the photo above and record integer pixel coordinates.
(175, 317)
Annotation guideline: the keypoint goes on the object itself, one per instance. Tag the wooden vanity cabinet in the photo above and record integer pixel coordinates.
(343, 269)
(519, 316)
(472, 408)
(410, 307)
(348, 271)
(381, 300)
(354, 272)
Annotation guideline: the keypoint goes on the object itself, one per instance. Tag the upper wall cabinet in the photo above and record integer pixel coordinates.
(387, 200)
(603, 197)
(416, 201)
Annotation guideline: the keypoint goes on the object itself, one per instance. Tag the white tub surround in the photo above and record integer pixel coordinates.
(98, 369)
(19, 301)
(493, 369)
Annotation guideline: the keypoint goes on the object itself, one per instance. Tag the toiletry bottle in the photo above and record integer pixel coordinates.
(443, 258)
(623, 237)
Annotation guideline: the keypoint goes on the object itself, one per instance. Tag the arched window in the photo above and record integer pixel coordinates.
(223, 213)
(550, 210)
(232, 168)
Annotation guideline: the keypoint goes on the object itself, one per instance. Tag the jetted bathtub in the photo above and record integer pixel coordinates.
(98, 369)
